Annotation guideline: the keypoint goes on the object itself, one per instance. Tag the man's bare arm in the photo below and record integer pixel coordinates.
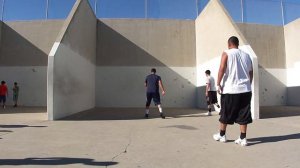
(207, 88)
(251, 76)
(222, 69)
(161, 87)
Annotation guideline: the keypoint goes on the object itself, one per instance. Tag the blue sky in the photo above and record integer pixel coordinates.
(255, 11)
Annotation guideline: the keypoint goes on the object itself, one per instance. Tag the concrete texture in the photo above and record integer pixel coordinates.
(291, 32)
(32, 81)
(268, 43)
(211, 42)
(138, 42)
(124, 86)
(292, 36)
(128, 48)
(72, 64)
(293, 96)
(184, 139)
(23, 58)
(273, 90)
(34, 40)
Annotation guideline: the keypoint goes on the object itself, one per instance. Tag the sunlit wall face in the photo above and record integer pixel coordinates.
(273, 12)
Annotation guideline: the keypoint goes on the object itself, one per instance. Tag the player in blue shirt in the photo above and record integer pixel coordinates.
(153, 83)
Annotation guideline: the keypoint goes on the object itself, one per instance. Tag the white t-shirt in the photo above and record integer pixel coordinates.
(236, 78)
(211, 82)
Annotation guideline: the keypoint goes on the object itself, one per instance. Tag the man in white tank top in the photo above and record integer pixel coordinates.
(236, 74)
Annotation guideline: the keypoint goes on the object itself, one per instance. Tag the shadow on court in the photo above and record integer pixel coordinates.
(132, 114)
(185, 127)
(271, 139)
(20, 126)
(54, 161)
(279, 111)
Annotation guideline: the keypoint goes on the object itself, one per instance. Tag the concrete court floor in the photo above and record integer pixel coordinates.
(122, 138)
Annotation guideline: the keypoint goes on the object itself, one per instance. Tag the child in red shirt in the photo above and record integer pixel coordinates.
(3, 93)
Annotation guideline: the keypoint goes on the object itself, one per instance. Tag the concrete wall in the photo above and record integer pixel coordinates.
(27, 43)
(23, 58)
(268, 43)
(292, 39)
(213, 28)
(72, 64)
(126, 51)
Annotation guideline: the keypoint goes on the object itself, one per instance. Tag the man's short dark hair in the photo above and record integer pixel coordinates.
(234, 40)
(207, 72)
(15, 83)
(2, 82)
(153, 70)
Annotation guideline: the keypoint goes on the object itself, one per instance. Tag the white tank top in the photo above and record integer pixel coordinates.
(236, 78)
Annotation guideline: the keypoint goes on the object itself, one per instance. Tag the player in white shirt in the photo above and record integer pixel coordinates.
(211, 92)
(236, 72)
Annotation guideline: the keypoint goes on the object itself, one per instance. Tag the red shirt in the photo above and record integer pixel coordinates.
(3, 90)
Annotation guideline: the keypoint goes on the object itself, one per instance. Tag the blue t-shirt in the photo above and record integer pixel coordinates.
(152, 82)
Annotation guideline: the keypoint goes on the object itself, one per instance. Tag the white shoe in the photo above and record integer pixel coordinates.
(220, 138)
(242, 142)
(209, 114)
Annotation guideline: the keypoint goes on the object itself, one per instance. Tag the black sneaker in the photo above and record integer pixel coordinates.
(146, 115)
(162, 116)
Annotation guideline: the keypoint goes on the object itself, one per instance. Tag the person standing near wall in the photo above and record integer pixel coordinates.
(3, 93)
(211, 92)
(236, 70)
(15, 94)
(153, 83)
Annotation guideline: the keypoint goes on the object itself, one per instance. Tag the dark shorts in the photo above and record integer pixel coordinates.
(2, 99)
(211, 97)
(236, 108)
(15, 97)
(155, 97)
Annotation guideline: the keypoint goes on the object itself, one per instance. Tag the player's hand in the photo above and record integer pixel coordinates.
(220, 89)
(163, 92)
(206, 94)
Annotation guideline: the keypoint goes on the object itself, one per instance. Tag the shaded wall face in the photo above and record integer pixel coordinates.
(292, 41)
(128, 49)
(72, 64)
(28, 43)
(268, 43)
(23, 58)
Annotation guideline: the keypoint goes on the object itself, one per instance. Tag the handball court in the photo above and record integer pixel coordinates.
(97, 138)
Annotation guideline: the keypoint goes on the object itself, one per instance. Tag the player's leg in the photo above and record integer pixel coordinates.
(156, 99)
(4, 101)
(1, 97)
(244, 117)
(15, 100)
(209, 103)
(148, 102)
(227, 115)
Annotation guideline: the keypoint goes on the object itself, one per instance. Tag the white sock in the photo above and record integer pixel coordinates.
(147, 111)
(160, 108)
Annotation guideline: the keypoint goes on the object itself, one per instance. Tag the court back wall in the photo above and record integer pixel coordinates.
(128, 48)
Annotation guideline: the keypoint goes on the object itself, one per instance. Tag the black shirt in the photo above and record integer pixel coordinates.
(152, 82)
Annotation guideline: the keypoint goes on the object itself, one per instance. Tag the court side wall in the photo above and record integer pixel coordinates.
(268, 43)
(127, 49)
(71, 69)
(292, 41)
(24, 48)
(213, 28)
